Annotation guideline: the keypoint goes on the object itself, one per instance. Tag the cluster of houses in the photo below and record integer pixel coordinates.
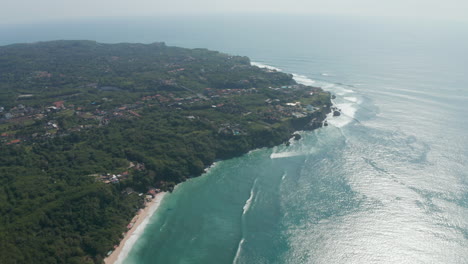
(176, 70)
(42, 74)
(216, 93)
(22, 111)
(170, 99)
(21, 114)
(113, 178)
(287, 110)
(231, 129)
(18, 112)
(59, 105)
(277, 110)
(116, 178)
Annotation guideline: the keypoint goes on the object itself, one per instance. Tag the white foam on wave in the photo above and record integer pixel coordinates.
(285, 155)
(248, 203)
(351, 99)
(328, 85)
(239, 248)
(209, 168)
(261, 65)
(292, 141)
(302, 79)
(341, 91)
(348, 111)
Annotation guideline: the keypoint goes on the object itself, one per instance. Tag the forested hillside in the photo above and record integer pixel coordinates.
(86, 127)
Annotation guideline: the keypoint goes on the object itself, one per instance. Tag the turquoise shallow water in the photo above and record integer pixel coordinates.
(386, 182)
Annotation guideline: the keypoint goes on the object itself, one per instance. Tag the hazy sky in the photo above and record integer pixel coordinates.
(17, 11)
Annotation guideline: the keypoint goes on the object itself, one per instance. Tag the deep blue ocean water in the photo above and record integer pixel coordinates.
(387, 182)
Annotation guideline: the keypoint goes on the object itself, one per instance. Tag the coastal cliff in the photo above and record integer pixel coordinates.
(88, 128)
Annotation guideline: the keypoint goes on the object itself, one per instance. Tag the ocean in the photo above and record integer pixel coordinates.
(386, 182)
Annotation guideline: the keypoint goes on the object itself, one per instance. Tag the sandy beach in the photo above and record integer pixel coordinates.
(132, 235)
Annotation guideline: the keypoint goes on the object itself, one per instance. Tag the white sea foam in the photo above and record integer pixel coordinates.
(327, 85)
(248, 203)
(351, 99)
(208, 169)
(348, 110)
(139, 230)
(261, 65)
(285, 155)
(342, 90)
(284, 176)
(303, 79)
(339, 90)
(239, 248)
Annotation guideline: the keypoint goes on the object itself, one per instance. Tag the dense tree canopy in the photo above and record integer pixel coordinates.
(74, 112)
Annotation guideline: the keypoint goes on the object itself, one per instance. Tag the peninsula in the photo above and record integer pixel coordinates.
(91, 132)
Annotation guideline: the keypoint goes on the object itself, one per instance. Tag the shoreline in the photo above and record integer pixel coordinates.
(120, 253)
(142, 218)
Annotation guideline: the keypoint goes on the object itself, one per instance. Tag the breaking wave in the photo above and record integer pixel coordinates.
(248, 203)
(347, 102)
(303, 79)
(239, 248)
(261, 65)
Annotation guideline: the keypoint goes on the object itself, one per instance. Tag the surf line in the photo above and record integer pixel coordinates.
(245, 209)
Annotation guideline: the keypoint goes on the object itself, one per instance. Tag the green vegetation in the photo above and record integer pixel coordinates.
(73, 113)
